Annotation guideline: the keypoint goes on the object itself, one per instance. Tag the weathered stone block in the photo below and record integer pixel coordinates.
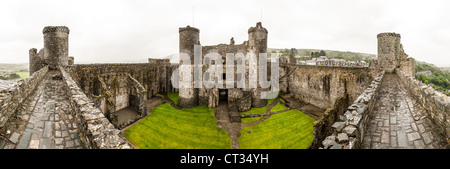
(329, 141)
(338, 126)
(350, 130)
(337, 146)
(342, 137)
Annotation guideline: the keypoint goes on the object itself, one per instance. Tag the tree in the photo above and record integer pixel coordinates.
(322, 53)
(14, 76)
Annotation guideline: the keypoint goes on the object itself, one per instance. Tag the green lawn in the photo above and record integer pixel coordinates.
(23, 75)
(288, 130)
(195, 128)
(173, 96)
(262, 110)
(170, 128)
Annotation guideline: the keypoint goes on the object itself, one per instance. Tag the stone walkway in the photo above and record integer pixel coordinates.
(398, 122)
(222, 113)
(44, 121)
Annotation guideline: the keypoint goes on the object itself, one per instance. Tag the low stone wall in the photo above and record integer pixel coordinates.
(322, 127)
(348, 131)
(245, 103)
(11, 101)
(96, 131)
(434, 102)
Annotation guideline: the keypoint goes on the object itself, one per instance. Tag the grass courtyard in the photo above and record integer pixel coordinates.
(195, 128)
(288, 130)
(170, 128)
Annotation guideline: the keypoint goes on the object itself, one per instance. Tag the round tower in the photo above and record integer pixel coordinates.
(56, 45)
(257, 39)
(189, 36)
(388, 51)
(257, 43)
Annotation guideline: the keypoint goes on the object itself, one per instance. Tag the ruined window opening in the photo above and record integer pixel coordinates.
(206, 76)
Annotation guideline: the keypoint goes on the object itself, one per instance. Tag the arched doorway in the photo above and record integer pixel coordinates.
(223, 96)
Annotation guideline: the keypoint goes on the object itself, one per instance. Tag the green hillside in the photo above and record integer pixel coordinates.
(439, 79)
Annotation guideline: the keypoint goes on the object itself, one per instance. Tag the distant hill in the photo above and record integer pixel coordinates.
(6, 67)
(346, 55)
(13, 71)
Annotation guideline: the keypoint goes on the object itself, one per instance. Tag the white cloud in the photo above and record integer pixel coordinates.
(132, 31)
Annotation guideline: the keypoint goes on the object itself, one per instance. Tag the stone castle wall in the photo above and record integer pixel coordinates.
(11, 101)
(322, 85)
(138, 101)
(348, 130)
(408, 67)
(96, 131)
(154, 77)
(37, 61)
(436, 104)
(116, 86)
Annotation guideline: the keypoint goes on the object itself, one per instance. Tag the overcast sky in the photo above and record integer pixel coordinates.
(113, 31)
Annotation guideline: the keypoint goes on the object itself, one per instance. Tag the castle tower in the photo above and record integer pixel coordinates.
(257, 43)
(189, 36)
(56, 45)
(388, 51)
(257, 39)
(35, 61)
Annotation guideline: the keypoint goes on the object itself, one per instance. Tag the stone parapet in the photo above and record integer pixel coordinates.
(188, 28)
(323, 127)
(97, 132)
(392, 34)
(349, 129)
(436, 104)
(12, 98)
(48, 29)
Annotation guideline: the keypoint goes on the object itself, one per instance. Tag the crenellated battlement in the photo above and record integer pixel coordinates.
(388, 34)
(189, 28)
(258, 27)
(49, 29)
